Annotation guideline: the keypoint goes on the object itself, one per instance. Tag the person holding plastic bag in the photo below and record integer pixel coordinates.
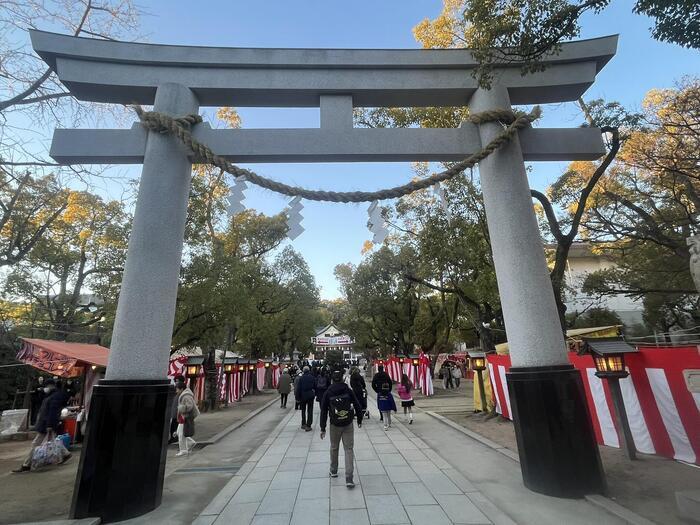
(44, 446)
(187, 411)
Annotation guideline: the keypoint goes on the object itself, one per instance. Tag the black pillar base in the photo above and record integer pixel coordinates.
(123, 460)
(557, 447)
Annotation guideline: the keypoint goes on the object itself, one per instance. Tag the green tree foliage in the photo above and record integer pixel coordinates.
(82, 252)
(525, 31)
(648, 205)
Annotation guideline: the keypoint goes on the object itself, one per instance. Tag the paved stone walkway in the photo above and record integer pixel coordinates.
(399, 480)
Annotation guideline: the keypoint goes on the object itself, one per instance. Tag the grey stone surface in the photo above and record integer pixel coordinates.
(286, 480)
(442, 495)
(342, 498)
(534, 333)
(307, 511)
(272, 519)
(238, 513)
(278, 501)
(688, 502)
(313, 488)
(323, 145)
(251, 492)
(386, 510)
(143, 326)
(370, 468)
(427, 515)
(122, 72)
(415, 494)
(460, 509)
(349, 517)
(401, 474)
(376, 485)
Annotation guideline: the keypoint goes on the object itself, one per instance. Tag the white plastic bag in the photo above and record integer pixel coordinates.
(50, 452)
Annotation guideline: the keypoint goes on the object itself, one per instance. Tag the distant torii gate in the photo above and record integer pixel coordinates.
(122, 466)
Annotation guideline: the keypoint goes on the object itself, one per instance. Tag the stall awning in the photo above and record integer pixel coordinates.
(61, 358)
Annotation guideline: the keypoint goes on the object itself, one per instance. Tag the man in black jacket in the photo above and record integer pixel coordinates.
(48, 419)
(340, 403)
(304, 393)
(380, 381)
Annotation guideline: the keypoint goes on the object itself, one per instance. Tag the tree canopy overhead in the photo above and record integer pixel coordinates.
(524, 31)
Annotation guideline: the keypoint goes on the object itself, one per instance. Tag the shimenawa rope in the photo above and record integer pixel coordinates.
(181, 128)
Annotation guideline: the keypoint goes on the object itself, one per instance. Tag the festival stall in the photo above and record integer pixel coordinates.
(416, 367)
(64, 360)
(663, 414)
(234, 376)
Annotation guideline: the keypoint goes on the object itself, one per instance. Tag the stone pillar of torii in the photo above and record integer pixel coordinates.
(122, 465)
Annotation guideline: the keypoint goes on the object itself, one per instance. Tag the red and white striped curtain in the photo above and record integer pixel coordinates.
(276, 372)
(260, 371)
(664, 416)
(410, 371)
(199, 385)
(425, 378)
(176, 367)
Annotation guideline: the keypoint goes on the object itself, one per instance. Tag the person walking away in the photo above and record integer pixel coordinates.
(297, 404)
(404, 391)
(284, 387)
(37, 397)
(305, 392)
(457, 374)
(359, 388)
(341, 405)
(47, 421)
(382, 384)
(447, 377)
(173, 412)
(322, 384)
(187, 412)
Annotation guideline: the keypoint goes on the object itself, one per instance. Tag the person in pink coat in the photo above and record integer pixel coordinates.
(404, 391)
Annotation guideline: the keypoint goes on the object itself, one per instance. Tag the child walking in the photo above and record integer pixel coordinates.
(404, 390)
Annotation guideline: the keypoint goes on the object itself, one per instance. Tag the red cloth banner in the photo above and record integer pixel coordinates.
(664, 416)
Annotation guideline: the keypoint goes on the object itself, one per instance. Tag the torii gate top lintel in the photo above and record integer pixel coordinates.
(336, 80)
(126, 72)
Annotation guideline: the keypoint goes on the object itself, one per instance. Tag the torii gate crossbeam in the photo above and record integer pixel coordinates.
(557, 448)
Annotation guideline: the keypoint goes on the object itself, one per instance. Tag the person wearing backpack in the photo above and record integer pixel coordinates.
(340, 405)
(322, 384)
(187, 412)
(381, 384)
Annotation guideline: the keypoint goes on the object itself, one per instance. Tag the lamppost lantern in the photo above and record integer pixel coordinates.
(415, 361)
(192, 366)
(477, 362)
(230, 366)
(608, 355)
(401, 359)
(251, 367)
(267, 364)
(610, 365)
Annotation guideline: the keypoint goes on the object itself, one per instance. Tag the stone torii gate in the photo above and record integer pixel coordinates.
(121, 469)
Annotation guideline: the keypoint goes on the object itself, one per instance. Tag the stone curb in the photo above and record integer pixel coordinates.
(478, 437)
(602, 502)
(84, 521)
(218, 437)
(618, 510)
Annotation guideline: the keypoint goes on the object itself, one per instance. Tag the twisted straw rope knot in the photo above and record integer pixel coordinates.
(181, 128)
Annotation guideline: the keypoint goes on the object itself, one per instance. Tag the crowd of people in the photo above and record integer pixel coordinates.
(342, 397)
(340, 392)
(451, 375)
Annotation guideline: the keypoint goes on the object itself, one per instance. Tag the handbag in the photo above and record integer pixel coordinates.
(188, 427)
(50, 452)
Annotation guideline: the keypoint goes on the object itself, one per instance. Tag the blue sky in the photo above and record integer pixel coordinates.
(335, 232)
